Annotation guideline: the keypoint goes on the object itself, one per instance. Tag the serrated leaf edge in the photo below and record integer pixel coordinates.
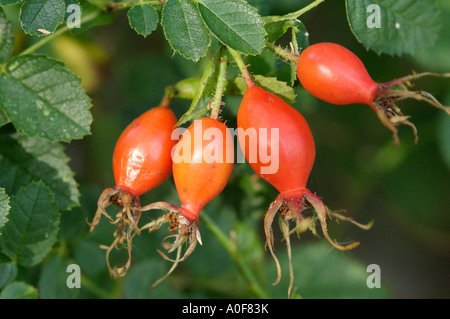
(259, 18)
(368, 47)
(171, 45)
(52, 200)
(77, 80)
(8, 207)
(39, 34)
(140, 33)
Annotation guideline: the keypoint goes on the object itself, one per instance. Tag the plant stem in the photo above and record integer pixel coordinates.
(220, 86)
(169, 94)
(295, 14)
(298, 13)
(294, 48)
(242, 67)
(204, 80)
(58, 32)
(238, 260)
(282, 52)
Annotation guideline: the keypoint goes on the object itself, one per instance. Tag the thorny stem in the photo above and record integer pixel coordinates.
(294, 48)
(242, 265)
(220, 86)
(242, 67)
(58, 32)
(282, 52)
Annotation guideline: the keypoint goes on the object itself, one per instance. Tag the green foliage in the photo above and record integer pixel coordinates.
(43, 98)
(271, 84)
(8, 2)
(55, 149)
(235, 23)
(140, 278)
(277, 29)
(204, 92)
(4, 208)
(33, 225)
(342, 276)
(3, 119)
(18, 290)
(52, 282)
(37, 15)
(144, 19)
(6, 38)
(8, 270)
(405, 26)
(24, 159)
(184, 29)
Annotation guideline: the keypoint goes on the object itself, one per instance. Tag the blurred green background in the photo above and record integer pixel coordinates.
(405, 189)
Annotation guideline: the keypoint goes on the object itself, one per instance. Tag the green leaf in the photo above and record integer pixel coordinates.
(41, 15)
(276, 30)
(6, 38)
(24, 159)
(184, 29)
(3, 119)
(33, 225)
(43, 98)
(4, 208)
(322, 272)
(204, 92)
(272, 85)
(404, 25)
(235, 23)
(143, 19)
(437, 59)
(186, 88)
(53, 279)
(18, 290)
(8, 2)
(8, 270)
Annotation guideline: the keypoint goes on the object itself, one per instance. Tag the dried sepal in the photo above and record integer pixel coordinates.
(183, 231)
(389, 93)
(290, 208)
